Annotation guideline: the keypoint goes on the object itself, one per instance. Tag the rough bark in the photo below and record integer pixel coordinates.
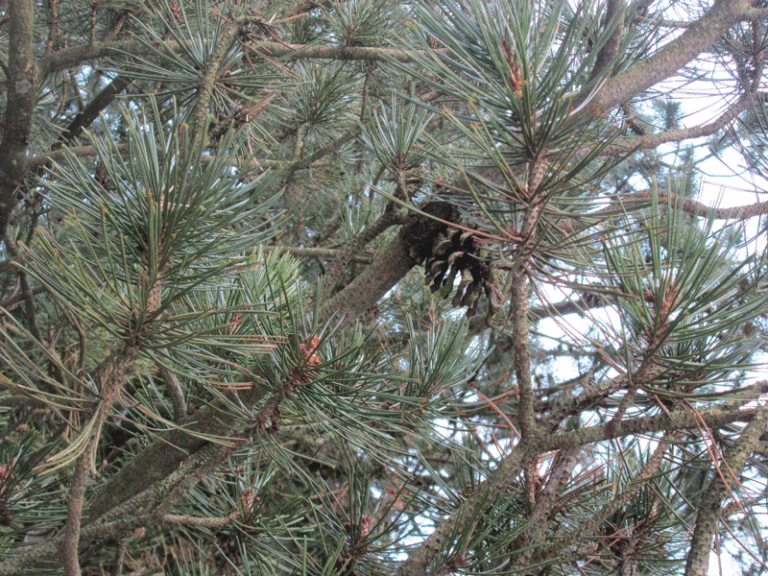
(20, 107)
(697, 38)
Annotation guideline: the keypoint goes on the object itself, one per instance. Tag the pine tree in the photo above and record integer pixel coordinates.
(367, 287)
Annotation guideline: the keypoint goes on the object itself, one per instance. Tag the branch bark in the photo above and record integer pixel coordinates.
(162, 457)
(697, 38)
(133, 513)
(652, 141)
(347, 254)
(391, 264)
(694, 208)
(614, 17)
(19, 108)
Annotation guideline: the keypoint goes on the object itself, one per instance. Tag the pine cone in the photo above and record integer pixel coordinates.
(447, 253)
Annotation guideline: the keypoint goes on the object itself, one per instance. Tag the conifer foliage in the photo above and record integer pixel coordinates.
(366, 287)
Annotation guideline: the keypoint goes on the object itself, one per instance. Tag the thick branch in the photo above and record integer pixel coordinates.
(390, 265)
(579, 306)
(614, 17)
(111, 376)
(208, 80)
(522, 356)
(61, 154)
(421, 561)
(631, 489)
(322, 253)
(348, 253)
(697, 38)
(644, 197)
(519, 296)
(295, 51)
(162, 457)
(596, 392)
(20, 106)
(324, 151)
(678, 420)
(537, 522)
(134, 513)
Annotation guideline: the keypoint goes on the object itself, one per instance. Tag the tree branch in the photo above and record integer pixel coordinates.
(697, 38)
(709, 510)
(159, 460)
(162, 457)
(60, 155)
(678, 420)
(651, 141)
(133, 513)
(19, 108)
(519, 296)
(361, 295)
(596, 392)
(92, 110)
(630, 490)
(536, 532)
(614, 17)
(694, 208)
(78, 55)
(111, 376)
(346, 254)
(322, 253)
(207, 82)
(421, 561)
